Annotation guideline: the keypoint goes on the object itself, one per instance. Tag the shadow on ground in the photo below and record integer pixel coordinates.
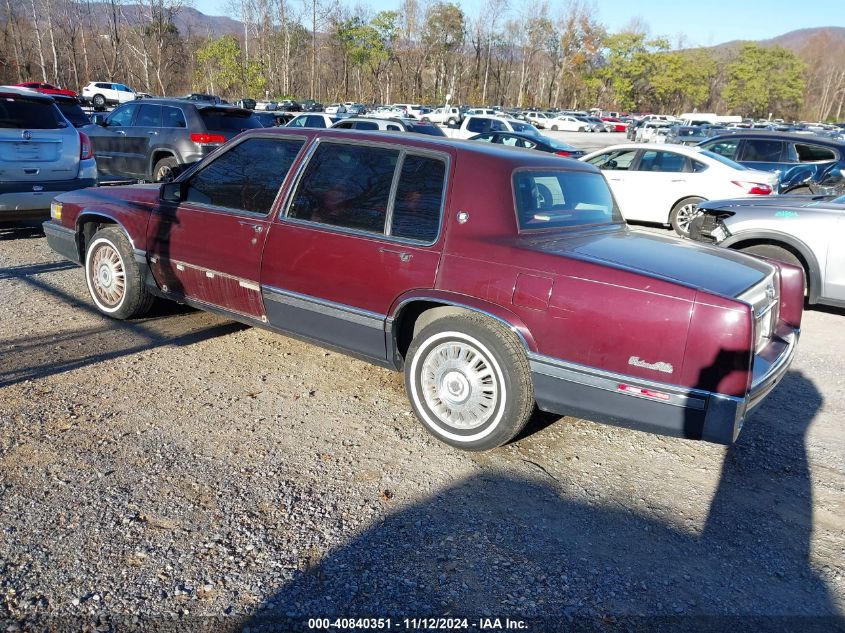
(38, 356)
(503, 546)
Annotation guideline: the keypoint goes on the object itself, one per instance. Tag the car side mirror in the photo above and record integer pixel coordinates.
(172, 192)
(100, 119)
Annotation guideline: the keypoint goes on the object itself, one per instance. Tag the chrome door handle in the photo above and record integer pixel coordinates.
(679, 180)
(120, 132)
(152, 132)
(403, 256)
(255, 227)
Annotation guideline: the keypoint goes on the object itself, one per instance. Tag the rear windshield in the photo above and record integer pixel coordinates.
(426, 128)
(73, 113)
(29, 114)
(228, 120)
(562, 199)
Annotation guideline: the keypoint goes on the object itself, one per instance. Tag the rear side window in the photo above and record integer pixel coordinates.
(427, 128)
(558, 200)
(316, 121)
(762, 151)
(30, 114)
(662, 161)
(228, 120)
(73, 113)
(245, 178)
(148, 116)
(478, 125)
(419, 197)
(363, 125)
(172, 117)
(813, 153)
(346, 186)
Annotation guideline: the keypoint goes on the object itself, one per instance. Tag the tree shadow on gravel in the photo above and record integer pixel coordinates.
(501, 545)
(29, 357)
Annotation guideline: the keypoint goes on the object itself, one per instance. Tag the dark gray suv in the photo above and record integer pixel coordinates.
(150, 139)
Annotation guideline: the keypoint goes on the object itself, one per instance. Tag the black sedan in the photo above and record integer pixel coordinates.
(530, 141)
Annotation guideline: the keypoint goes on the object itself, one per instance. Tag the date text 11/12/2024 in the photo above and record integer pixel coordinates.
(424, 624)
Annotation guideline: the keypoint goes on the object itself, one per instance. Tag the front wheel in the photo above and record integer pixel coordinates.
(554, 128)
(451, 122)
(99, 102)
(682, 214)
(113, 277)
(469, 382)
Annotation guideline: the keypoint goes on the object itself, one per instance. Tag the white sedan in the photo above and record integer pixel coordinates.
(665, 185)
(567, 123)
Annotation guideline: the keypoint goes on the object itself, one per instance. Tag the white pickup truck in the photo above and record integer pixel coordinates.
(473, 125)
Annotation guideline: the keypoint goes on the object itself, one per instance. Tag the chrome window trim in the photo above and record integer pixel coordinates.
(283, 214)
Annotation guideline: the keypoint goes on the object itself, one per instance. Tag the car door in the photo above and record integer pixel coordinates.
(361, 227)
(108, 140)
(658, 180)
(207, 246)
(616, 166)
(133, 158)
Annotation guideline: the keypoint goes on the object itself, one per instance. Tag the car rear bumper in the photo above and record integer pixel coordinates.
(20, 200)
(62, 240)
(621, 400)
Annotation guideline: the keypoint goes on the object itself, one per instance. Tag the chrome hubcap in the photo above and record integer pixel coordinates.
(685, 215)
(459, 385)
(108, 275)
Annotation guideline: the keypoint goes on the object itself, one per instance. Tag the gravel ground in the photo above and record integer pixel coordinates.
(186, 470)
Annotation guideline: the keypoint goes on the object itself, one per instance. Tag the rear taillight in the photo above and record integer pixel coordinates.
(204, 138)
(563, 153)
(86, 151)
(753, 188)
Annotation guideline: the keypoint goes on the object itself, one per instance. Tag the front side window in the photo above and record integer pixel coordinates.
(122, 117)
(316, 121)
(298, 122)
(615, 160)
(559, 200)
(346, 186)
(245, 178)
(419, 197)
(477, 125)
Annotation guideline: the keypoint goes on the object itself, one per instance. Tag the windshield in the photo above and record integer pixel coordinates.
(562, 199)
(721, 159)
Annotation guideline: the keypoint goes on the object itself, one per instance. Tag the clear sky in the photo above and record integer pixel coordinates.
(701, 22)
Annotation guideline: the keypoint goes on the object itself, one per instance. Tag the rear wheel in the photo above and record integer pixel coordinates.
(469, 382)
(682, 213)
(163, 170)
(554, 127)
(451, 122)
(113, 277)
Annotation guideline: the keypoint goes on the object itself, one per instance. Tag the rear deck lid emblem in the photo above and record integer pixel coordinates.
(26, 135)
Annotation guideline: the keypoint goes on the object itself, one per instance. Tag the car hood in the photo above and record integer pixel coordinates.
(688, 263)
(796, 201)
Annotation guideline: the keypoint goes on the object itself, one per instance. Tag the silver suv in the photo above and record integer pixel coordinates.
(41, 154)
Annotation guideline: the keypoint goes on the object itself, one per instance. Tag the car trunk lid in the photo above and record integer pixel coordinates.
(708, 268)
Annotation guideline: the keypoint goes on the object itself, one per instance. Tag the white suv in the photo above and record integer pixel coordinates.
(41, 154)
(103, 93)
